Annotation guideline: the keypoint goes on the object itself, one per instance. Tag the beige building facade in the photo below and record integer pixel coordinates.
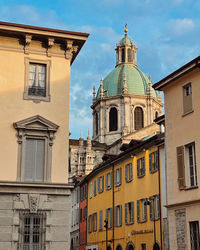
(181, 93)
(35, 202)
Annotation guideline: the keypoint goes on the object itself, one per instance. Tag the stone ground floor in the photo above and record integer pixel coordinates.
(36, 215)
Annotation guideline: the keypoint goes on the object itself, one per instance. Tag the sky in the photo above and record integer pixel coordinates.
(167, 34)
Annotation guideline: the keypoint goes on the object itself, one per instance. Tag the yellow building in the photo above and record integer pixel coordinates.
(125, 190)
(35, 198)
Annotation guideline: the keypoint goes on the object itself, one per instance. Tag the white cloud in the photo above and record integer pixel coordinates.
(181, 26)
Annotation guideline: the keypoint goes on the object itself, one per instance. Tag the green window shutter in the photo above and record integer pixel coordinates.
(138, 167)
(115, 177)
(138, 210)
(157, 160)
(95, 185)
(100, 220)
(106, 181)
(132, 212)
(126, 213)
(115, 216)
(102, 185)
(120, 174)
(98, 184)
(110, 179)
(145, 210)
(131, 171)
(143, 165)
(150, 163)
(181, 167)
(120, 215)
(151, 208)
(126, 173)
(111, 217)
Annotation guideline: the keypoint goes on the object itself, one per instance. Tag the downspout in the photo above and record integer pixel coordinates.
(113, 208)
(160, 203)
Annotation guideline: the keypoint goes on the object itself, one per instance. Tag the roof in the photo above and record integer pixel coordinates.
(96, 144)
(137, 81)
(185, 69)
(126, 40)
(62, 36)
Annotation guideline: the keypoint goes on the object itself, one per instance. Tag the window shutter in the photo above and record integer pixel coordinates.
(111, 179)
(98, 184)
(115, 216)
(120, 174)
(126, 173)
(181, 168)
(158, 206)
(138, 210)
(40, 159)
(102, 185)
(131, 171)
(115, 177)
(126, 213)
(100, 219)
(151, 208)
(143, 165)
(106, 181)
(157, 160)
(29, 160)
(145, 209)
(90, 189)
(150, 163)
(120, 215)
(138, 167)
(111, 217)
(132, 213)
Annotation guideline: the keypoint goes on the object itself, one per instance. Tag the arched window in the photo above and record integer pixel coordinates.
(123, 55)
(130, 246)
(139, 118)
(113, 119)
(119, 247)
(130, 55)
(96, 124)
(156, 114)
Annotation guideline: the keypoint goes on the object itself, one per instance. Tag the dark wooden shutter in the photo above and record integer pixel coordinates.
(143, 165)
(130, 171)
(126, 172)
(126, 213)
(120, 175)
(157, 160)
(151, 208)
(98, 184)
(115, 177)
(100, 219)
(110, 179)
(138, 167)
(115, 216)
(138, 210)
(145, 209)
(181, 167)
(132, 212)
(150, 163)
(106, 181)
(120, 215)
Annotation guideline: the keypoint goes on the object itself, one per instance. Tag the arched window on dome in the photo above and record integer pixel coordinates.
(113, 119)
(139, 118)
(123, 55)
(156, 114)
(96, 124)
(130, 55)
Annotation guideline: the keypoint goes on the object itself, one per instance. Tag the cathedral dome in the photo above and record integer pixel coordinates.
(126, 41)
(137, 82)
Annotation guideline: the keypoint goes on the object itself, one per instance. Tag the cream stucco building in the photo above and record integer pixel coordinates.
(34, 87)
(182, 141)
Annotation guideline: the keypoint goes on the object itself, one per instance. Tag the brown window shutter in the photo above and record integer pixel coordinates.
(181, 167)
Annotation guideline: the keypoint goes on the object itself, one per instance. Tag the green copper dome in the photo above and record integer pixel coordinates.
(137, 82)
(126, 40)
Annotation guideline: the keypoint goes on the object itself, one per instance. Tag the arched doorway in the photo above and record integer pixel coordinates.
(119, 247)
(109, 248)
(156, 246)
(130, 246)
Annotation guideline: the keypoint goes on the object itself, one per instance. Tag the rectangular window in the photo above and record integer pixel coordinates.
(34, 160)
(128, 172)
(187, 98)
(32, 231)
(109, 217)
(94, 222)
(89, 223)
(153, 162)
(108, 181)
(95, 188)
(118, 216)
(194, 235)
(143, 246)
(90, 189)
(100, 184)
(142, 210)
(100, 220)
(117, 177)
(154, 209)
(129, 213)
(141, 167)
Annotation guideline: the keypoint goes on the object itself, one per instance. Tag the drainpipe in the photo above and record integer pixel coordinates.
(113, 208)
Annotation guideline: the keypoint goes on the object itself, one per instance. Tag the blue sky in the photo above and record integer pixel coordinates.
(167, 34)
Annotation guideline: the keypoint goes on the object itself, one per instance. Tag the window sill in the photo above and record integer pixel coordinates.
(117, 185)
(141, 176)
(142, 221)
(190, 188)
(153, 171)
(187, 113)
(108, 188)
(127, 181)
(129, 223)
(36, 99)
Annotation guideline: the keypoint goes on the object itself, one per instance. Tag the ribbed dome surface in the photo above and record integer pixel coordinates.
(136, 81)
(126, 40)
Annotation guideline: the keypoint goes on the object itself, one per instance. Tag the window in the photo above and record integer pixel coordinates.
(89, 223)
(156, 114)
(138, 118)
(35, 141)
(186, 161)
(32, 233)
(194, 235)
(130, 55)
(128, 172)
(153, 162)
(90, 189)
(100, 220)
(108, 181)
(143, 246)
(37, 80)
(142, 210)
(113, 119)
(123, 55)
(118, 216)
(187, 98)
(109, 217)
(100, 184)
(129, 213)
(141, 167)
(94, 222)
(95, 188)
(154, 209)
(117, 175)
(96, 124)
